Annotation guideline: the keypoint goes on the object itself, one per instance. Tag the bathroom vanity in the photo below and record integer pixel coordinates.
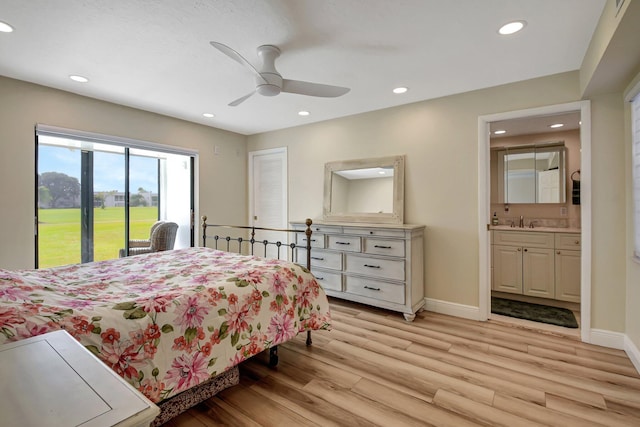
(542, 262)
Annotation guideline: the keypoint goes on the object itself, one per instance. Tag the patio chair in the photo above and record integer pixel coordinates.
(162, 238)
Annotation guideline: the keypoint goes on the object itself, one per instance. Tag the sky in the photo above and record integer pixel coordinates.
(108, 168)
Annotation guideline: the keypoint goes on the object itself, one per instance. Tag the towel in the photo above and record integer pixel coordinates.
(575, 192)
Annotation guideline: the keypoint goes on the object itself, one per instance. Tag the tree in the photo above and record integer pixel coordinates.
(137, 200)
(44, 196)
(61, 187)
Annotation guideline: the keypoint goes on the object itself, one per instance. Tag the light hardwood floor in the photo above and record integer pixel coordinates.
(375, 369)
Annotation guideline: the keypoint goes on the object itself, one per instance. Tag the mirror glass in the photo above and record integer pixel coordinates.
(532, 174)
(365, 190)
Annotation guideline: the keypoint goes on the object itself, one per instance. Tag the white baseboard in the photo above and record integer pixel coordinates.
(633, 352)
(607, 338)
(452, 309)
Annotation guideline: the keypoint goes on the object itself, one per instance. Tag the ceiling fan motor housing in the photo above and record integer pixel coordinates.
(273, 79)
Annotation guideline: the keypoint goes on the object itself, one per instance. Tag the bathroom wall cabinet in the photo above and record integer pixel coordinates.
(538, 264)
(378, 265)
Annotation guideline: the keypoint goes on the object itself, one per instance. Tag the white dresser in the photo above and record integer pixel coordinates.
(374, 264)
(52, 380)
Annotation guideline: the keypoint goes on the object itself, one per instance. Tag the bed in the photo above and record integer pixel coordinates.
(168, 322)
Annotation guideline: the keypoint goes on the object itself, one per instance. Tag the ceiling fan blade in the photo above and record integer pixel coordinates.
(241, 100)
(238, 58)
(313, 89)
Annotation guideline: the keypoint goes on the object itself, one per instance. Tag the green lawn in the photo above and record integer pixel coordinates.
(59, 233)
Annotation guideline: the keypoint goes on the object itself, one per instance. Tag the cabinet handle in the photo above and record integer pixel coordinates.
(526, 250)
(373, 289)
(558, 252)
(519, 249)
(317, 258)
(382, 247)
(319, 278)
(577, 242)
(305, 239)
(372, 266)
(343, 243)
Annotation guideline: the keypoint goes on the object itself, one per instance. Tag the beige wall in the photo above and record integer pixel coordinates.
(24, 104)
(440, 140)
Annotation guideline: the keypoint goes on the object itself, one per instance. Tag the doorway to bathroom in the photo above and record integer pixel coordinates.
(534, 216)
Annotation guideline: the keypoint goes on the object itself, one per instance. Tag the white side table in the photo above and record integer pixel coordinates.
(52, 380)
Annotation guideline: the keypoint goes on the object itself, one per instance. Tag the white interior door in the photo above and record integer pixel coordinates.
(268, 199)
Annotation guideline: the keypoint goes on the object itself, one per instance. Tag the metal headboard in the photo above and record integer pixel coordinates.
(249, 243)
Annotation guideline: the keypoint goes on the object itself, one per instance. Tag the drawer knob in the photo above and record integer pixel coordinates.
(372, 266)
(577, 242)
(519, 249)
(370, 288)
(382, 247)
(558, 252)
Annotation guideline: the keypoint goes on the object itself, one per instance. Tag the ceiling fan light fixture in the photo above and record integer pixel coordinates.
(5, 28)
(79, 79)
(512, 27)
(400, 89)
(303, 113)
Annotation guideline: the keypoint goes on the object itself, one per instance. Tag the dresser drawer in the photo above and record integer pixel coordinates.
(317, 240)
(379, 290)
(570, 241)
(344, 243)
(382, 232)
(382, 268)
(328, 280)
(321, 258)
(391, 247)
(523, 238)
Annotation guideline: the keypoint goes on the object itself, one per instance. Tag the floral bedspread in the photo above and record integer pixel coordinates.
(169, 320)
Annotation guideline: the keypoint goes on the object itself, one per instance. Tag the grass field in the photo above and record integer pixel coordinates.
(59, 233)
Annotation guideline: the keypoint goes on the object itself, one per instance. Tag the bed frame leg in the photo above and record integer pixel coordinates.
(273, 356)
(309, 342)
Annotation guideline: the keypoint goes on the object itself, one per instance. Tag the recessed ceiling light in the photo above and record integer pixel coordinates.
(79, 79)
(400, 90)
(512, 27)
(499, 132)
(303, 113)
(556, 125)
(209, 115)
(5, 28)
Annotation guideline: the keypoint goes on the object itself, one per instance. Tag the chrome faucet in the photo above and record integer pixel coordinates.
(521, 225)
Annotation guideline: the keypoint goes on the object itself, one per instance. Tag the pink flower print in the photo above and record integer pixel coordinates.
(31, 330)
(252, 276)
(10, 316)
(190, 314)
(238, 317)
(137, 337)
(122, 359)
(152, 389)
(155, 303)
(110, 336)
(281, 328)
(78, 304)
(304, 296)
(187, 371)
(15, 294)
(278, 284)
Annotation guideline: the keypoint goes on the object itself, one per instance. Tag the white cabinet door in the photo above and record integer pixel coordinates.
(538, 272)
(507, 269)
(568, 275)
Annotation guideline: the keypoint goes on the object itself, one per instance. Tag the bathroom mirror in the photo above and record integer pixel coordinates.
(365, 190)
(532, 174)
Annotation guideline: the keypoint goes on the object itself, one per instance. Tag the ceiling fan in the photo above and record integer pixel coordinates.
(270, 83)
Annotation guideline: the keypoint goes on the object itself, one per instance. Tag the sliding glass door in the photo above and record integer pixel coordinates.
(83, 212)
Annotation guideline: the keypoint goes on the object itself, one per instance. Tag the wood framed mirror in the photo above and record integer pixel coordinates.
(365, 190)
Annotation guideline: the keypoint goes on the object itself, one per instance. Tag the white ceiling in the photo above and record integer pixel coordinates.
(155, 54)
